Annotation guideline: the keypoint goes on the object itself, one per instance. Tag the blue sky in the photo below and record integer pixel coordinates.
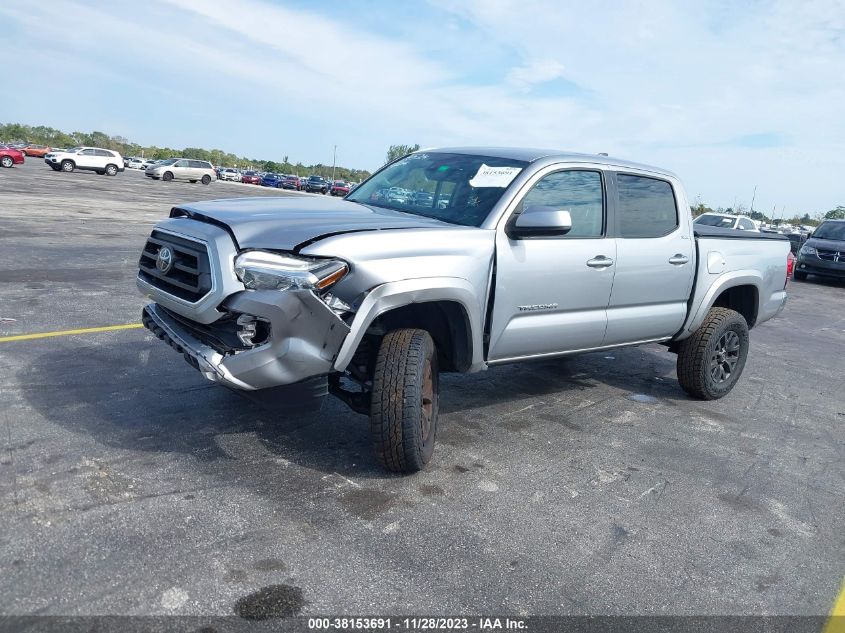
(728, 95)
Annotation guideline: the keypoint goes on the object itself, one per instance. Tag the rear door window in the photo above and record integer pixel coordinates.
(646, 206)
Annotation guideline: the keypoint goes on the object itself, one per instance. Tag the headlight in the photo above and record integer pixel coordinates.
(807, 250)
(260, 270)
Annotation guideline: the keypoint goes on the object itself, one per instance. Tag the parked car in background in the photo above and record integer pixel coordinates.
(251, 178)
(291, 182)
(230, 174)
(727, 221)
(136, 163)
(10, 156)
(272, 180)
(182, 169)
(339, 188)
(97, 159)
(422, 199)
(316, 184)
(36, 151)
(824, 252)
(796, 241)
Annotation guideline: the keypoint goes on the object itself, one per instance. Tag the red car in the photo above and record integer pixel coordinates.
(36, 151)
(10, 156)
(340, 188)
(291, 182)
(250, 178)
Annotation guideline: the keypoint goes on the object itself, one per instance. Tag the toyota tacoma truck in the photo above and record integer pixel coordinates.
(516, 254)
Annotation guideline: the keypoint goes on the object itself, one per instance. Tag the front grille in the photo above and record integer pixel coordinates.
(831, 256)
(189, 277)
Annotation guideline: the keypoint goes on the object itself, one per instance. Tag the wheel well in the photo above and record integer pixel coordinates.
(742, 299)
(447, 323)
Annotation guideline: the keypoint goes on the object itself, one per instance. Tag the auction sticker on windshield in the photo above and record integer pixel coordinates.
(487, 176)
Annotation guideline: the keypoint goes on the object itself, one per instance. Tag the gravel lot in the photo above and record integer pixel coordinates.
(130, 485)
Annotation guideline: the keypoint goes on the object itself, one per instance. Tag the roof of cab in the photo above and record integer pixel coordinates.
(530, 155)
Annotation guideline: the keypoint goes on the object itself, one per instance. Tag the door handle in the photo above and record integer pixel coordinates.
(678, 259)
(600, 261)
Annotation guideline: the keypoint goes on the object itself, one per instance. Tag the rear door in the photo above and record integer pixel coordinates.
(654, 260)
(551, 293)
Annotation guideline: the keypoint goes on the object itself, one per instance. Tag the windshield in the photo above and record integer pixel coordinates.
(830, 231)
(715, 220)
(454, 188)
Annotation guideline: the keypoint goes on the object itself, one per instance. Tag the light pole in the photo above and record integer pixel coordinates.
(334, 162)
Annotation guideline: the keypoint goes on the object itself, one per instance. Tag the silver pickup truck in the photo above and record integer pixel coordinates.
(484, 256)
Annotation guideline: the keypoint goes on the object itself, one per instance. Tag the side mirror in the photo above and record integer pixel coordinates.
(540, 221)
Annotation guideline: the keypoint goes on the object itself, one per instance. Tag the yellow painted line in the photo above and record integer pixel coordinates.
(88, 330)
(836, 621)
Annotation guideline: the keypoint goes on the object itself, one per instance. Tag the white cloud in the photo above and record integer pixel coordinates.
(666, 83)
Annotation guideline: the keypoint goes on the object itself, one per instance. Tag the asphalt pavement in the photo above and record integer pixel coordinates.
(131, 485)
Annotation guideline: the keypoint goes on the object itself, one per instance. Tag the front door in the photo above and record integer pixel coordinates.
(551, 293)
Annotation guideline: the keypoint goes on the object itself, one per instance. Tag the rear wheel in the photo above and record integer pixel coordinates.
(711, 360)
(7, 161)
(799, 275)
(403, 410)
(167, 176)
(68, 166)
(111, 170)
(206, 179)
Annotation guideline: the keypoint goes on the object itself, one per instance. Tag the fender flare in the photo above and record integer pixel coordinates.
(720, 284)
(397, 294)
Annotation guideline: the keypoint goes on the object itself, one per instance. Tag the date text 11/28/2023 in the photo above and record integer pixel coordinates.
(417, 624)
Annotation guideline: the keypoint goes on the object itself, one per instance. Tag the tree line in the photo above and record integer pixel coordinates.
(44, 135)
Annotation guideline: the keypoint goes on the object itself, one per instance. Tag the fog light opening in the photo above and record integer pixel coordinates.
(252, 330)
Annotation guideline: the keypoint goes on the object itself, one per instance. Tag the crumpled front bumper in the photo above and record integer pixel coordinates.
(305, 337)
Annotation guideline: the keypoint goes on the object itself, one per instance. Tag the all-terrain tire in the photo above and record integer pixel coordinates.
(403, 410)
(711, 360)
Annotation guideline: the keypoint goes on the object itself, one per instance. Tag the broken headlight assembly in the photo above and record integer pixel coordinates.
(263, 270)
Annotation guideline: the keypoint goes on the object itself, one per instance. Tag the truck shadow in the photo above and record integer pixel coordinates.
(141, 397)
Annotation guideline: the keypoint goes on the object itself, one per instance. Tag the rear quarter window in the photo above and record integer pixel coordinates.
(646, 206)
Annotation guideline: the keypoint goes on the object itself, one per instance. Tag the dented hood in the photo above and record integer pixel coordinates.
(286, 223)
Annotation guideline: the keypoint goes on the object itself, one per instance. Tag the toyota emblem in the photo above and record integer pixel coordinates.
(164, 261)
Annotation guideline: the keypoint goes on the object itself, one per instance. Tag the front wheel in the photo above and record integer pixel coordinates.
(7, 161)
(711, 360)
(167, 176)
(206, 179)
(68, 166)
(403, 409)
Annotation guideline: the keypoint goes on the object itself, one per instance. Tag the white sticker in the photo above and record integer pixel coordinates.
(494, 176)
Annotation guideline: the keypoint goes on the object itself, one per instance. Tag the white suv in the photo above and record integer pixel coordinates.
(102, 161)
